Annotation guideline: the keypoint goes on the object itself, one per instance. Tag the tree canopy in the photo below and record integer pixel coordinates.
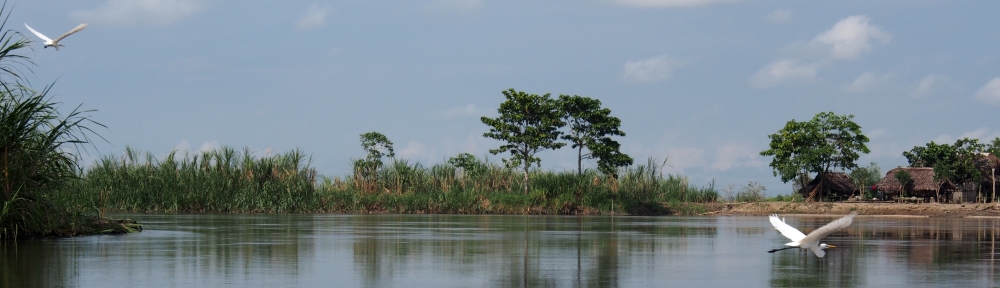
(528, 123)
(955, 163)
(816, 146)
(591, 127)
(377, 146)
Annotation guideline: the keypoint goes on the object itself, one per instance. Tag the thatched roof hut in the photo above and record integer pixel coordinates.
(923, 182)
(838, 184)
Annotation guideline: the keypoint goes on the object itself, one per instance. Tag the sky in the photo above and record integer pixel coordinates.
(700, 83)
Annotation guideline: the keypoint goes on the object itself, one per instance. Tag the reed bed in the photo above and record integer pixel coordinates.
(222, 180)
(230, 181)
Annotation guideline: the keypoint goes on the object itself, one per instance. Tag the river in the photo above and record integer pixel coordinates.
(507, 251)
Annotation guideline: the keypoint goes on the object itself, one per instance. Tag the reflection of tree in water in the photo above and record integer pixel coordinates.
(519, 251)
(937, 240)
(801, 268)
(936, 246)
(198, 249)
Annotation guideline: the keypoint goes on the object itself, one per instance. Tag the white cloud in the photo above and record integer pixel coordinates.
(784, 71)
(185, 147)
(864, 82)
(779, 16)
(983, 134)
(934, 84)
(944, 139)
(209, 146)
(460, 111)
(650, 70)
(990, 93)
(669, 3)
(679, 159)
(868, 81)
(454, 6)
(418, 152)
(736, 155)
(314, 17)
(851, 37)
(926, 84)
(129, 12)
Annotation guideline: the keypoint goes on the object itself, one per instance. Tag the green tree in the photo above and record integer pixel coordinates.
(864, 177)
(468, 163)
(994, 147)
(528, 123)
(954, 163)
(377, 146)
(905, 180)
(591, 127)
(816, 146)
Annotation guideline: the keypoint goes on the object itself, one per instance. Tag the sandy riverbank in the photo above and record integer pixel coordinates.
(898, 209)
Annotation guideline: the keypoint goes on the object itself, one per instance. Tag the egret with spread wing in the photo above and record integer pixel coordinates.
(810, 241)
(55, 42)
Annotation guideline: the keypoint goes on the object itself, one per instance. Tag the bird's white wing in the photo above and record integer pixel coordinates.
(818, 251)
(789, 231)
(829, 228)
(46, 39)
(77, 29)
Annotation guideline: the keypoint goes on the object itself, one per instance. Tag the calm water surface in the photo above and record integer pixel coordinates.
(506, 251)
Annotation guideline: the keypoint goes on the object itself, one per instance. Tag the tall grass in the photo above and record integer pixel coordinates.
(225, 180)
(222, 180)
(35, 145)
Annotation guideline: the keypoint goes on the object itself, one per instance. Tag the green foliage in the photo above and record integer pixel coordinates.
(527, 124)
(827, 141)
(905, 181)
(471, 167)
(993, 147)
(35, 140)
(222, 180)
(954, 163)
(864, 177)
(591, 127)
(377, 146)
(794, 197)
(751, 192)
(227, 181)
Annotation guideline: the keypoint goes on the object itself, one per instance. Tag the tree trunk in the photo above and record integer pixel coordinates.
(526, 165)
(579, 160)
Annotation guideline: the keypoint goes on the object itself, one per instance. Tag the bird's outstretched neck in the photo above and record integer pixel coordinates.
(779, 249)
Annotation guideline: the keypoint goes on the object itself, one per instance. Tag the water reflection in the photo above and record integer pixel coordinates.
(505, 251)
(870, 252)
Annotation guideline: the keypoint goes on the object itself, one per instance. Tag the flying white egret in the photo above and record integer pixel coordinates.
(810, 241)
(55, 42)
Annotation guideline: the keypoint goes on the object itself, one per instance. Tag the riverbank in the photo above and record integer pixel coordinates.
(863, 208)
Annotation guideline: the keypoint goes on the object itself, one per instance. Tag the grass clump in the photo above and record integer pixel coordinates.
(225, 180)
(222, 180)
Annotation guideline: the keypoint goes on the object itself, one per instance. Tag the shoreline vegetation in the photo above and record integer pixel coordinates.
(229, 181)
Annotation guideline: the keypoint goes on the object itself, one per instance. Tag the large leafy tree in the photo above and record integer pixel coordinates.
(591, 127)
(816, 146)
(954, 163)
(528, 123)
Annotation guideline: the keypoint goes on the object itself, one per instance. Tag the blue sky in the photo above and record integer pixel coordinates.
(699, 82)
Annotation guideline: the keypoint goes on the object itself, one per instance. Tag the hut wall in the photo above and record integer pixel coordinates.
(963, 197)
